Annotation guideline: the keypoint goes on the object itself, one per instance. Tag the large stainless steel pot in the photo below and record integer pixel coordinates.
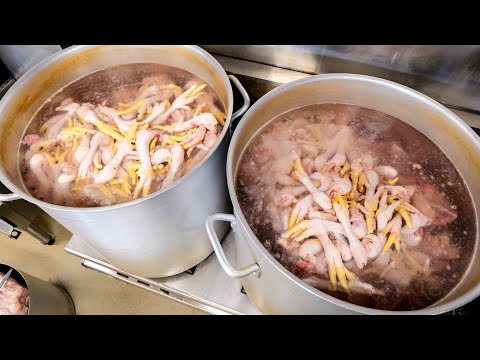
(273, 288)
(158, 235)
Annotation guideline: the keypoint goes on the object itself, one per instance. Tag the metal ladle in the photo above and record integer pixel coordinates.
(5, 279)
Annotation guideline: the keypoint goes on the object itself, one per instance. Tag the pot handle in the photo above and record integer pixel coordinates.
(231, 271)
(9, 197)
(246, 98)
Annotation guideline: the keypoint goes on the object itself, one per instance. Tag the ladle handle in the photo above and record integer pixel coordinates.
(9, 197)
(217, 247)
(246, 98)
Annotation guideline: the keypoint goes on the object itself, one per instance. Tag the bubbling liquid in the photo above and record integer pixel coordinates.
(425, 267)
(119, 134)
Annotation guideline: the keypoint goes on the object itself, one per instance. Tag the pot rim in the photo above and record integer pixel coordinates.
(52, 59)
(430, 310)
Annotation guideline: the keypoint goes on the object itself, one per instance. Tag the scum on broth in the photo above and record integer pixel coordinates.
(58, 176)
(415, 272)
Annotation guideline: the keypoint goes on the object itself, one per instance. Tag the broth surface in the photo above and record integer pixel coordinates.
(119, 134)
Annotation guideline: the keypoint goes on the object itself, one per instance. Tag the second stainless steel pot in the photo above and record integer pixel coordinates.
(158, 235)
(270, 285)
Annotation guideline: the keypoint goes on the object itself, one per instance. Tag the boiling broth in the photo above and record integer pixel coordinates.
(118, 88)
(446, 246)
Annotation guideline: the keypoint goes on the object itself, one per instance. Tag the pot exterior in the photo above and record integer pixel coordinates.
(47, 299)
(163, 235)
(273, 292)
(278, 291)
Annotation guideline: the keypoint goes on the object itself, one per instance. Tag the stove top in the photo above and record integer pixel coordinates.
(206, 286)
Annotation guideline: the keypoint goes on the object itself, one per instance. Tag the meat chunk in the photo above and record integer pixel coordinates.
(30, 139)
(434, 205)
(440, 247)
(14, 298)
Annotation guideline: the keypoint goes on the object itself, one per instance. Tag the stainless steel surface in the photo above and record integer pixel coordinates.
(277, 76)
(436, 61)
(158, 235)
(217, 247)
(4, 279)
(447, 73)
(259, 71)
(208, 288)
(20, 58)
(279, 291)
(6, 228)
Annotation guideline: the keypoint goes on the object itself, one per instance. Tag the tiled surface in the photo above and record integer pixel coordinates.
(92, 292)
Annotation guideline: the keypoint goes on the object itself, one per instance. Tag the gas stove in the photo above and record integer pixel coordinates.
(206, 286)
(263, 68)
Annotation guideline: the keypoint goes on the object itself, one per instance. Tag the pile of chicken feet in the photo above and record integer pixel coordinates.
(351, 210)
